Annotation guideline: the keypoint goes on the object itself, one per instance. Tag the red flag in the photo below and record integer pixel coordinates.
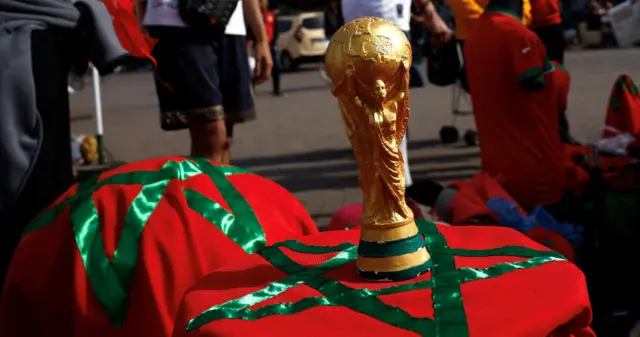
(126, 25)
(486, 281)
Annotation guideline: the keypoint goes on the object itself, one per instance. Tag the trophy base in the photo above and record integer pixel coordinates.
(396, 276)
(388, 232)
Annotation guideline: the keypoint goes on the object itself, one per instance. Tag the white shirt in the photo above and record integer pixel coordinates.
(396, 11)
(166, 13)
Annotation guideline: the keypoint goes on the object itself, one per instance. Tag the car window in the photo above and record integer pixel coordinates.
(315, 22)
(284, 25)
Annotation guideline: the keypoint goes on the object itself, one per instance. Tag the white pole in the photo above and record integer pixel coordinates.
(97, 101)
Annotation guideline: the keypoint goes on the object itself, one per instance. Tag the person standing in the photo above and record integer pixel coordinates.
(418, 37)
(399, 12)
(271, 27)
(333, 20)
(515, 105)
(203, 81)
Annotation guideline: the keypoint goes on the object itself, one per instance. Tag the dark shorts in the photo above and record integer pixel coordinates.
(200, 79)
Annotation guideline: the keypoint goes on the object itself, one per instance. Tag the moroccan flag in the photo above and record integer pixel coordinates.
(113, 256)
(128, 30)
(623, 111)
(486, 281)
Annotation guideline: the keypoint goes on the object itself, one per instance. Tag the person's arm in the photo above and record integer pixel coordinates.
(253, 16)
(527, 17)
(141, 9)
(264, 63)
(530, 61)
(465, 9)
(439, 30)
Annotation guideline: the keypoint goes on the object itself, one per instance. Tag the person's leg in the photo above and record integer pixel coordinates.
(236, 92)
(405, 157)
(187, 87)
(416, 80)
(275, 72)
(464, 82)
(209, 140)
(226, 152)
(52, 174)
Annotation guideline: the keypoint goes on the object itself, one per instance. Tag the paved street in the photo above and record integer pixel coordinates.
(298, 140)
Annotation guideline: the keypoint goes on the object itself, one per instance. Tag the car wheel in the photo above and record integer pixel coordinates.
(287, 63)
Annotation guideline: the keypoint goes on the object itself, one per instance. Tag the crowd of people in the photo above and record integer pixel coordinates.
(201, 216)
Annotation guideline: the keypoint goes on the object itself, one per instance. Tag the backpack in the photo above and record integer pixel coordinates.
(209, 16)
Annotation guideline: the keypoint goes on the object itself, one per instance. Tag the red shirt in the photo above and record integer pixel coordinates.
(269, 23)
(545, 13)
(518, 126)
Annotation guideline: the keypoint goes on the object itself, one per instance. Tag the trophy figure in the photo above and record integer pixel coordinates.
(368, 62)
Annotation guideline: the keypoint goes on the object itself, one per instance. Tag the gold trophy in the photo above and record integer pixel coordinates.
(368, 62)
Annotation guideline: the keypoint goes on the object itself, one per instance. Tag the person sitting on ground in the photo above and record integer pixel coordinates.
(333, 20)
(594, 16)
(516, 114)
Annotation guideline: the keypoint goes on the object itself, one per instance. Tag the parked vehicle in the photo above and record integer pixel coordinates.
(301, 39)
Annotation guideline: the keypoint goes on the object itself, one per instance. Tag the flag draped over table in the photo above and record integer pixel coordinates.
(485, 281)
(128, 29)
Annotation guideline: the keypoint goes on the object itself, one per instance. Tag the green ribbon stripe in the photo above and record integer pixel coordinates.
(111, 280)
(449, 316)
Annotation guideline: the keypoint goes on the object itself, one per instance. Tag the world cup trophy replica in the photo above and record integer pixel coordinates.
(368, 62)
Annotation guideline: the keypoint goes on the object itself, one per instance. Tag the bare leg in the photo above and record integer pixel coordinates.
(209, 140)
(226, 157)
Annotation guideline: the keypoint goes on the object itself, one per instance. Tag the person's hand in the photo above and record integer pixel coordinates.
(417, 18)
(440, 34)
(441, 38)
(438, 29)
(264, 63)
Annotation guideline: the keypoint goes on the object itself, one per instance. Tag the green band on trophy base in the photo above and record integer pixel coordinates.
(390, 248)
(396, 276)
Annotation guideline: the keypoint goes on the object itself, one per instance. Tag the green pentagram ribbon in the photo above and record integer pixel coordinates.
(449, 315)
(111, 280)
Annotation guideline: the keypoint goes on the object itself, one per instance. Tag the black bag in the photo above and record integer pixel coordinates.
(208, 16)
(443, 64)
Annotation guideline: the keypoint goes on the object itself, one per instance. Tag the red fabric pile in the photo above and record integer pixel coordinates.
(470, 204)
(114, 256)
(623, 111)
